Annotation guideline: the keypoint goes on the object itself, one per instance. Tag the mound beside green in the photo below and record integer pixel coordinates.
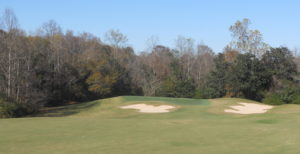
(196, 126)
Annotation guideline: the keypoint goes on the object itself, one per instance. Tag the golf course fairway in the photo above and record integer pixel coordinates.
(191, 126)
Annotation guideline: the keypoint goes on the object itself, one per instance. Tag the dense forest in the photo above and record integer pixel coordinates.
(52, 67)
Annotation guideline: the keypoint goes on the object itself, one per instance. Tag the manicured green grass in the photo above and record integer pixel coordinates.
(195, 126)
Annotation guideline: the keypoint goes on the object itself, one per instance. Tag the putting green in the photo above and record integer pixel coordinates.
(196, 126)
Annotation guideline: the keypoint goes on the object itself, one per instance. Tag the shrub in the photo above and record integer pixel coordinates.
(176, 88)
(11, 109)
(198, 94)
(6, 109)
(289, 94)
(167, 89)
(296, 100)
(206, 93)
(185, 88)
(273, 99)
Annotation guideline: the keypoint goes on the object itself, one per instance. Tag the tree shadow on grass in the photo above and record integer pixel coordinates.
(65, 110)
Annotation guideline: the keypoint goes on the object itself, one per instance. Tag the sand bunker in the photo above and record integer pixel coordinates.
(149, 108)
(249, 108)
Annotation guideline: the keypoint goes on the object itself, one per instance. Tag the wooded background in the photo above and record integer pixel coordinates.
(53, 67)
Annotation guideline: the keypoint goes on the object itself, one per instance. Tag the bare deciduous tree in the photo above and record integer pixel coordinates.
(116, 38)
(246, 40)
(10, 24)
(152, 42)
(202, 65)
(185, 48)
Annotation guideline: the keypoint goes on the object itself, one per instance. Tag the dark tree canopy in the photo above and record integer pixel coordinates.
(280, 63)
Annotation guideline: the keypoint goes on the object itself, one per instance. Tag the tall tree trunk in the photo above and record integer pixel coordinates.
(9, 73)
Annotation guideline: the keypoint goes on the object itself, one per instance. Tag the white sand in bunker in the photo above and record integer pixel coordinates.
(249, 108)
(149, 108)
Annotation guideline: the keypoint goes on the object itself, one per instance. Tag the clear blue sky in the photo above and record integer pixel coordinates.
(207, 21)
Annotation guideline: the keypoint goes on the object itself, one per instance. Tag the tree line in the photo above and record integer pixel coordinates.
(54, 67)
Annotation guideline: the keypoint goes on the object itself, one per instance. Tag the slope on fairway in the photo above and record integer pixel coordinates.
(196, 126)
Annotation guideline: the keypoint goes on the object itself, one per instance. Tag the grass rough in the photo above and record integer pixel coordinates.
(196, 126)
